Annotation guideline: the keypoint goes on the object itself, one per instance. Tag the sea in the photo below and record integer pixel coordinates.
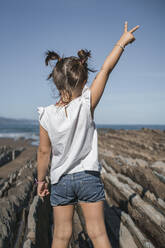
(29, 129)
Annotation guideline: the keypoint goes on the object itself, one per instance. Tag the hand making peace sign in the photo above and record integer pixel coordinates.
(127, 36)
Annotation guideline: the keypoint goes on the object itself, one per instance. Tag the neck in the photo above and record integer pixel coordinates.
(75, 93)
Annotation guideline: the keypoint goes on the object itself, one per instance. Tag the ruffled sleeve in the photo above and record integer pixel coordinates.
(43, 117)
(86, 94)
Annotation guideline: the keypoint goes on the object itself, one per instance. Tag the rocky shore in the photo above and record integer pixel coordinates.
(133, 173)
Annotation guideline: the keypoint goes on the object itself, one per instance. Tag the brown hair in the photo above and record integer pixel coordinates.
(69, 72)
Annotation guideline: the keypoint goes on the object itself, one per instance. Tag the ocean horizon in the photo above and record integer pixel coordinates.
(29, 129)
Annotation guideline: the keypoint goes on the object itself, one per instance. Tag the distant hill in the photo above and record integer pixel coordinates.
(12, 121)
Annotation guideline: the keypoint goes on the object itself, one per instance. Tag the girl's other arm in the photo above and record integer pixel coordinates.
(43, 154)
(98, 84)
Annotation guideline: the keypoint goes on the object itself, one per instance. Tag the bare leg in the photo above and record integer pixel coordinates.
(94, 219)
(62, 218)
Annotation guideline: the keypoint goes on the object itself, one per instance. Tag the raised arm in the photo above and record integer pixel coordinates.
(98, 84)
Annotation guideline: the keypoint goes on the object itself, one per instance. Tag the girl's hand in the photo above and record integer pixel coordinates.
(127, 36)
(42, 189)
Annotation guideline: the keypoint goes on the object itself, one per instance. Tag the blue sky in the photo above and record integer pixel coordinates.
(135, 90)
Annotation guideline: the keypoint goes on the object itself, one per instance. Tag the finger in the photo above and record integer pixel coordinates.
(41, 195)
(125, 26)
(46, 192)
(133, 29)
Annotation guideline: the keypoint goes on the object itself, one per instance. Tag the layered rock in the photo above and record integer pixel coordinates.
(133, 173)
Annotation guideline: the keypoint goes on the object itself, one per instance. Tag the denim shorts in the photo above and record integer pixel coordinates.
(83, 186)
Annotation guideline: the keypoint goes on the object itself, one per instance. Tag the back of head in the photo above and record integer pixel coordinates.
(69, 73)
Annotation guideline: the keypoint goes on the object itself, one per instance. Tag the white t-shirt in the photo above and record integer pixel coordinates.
(73, 137)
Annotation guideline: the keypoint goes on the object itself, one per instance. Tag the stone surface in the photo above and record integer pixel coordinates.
(133, 165)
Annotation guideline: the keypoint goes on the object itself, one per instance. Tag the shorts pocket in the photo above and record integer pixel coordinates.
(58, 193)
(92, 189)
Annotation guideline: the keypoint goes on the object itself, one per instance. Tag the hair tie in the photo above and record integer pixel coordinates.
(82, 61)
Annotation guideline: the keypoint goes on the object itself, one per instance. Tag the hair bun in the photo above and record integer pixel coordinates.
(83, 55)
(51, 55)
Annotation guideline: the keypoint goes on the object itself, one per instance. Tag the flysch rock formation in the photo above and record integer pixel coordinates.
(133, 174)
(7, 153)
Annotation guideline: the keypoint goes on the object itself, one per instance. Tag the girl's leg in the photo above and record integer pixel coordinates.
(62, 219)
(94, 218)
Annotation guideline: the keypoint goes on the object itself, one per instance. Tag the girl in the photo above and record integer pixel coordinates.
(68, 133)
